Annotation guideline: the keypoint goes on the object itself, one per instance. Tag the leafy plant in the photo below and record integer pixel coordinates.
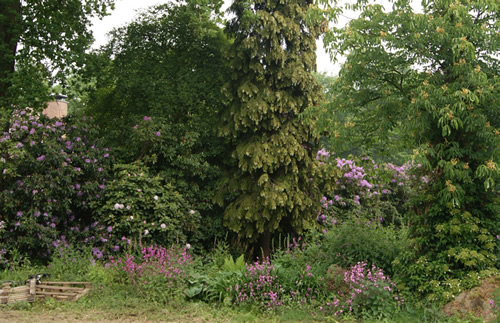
(141, 208)
(53, 173)
(159, 274)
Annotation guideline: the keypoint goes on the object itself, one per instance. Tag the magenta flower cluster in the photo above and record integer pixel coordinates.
(156, 261)
(259, 286)
(365, 287)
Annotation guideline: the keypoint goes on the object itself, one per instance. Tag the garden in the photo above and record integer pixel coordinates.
(206, 173)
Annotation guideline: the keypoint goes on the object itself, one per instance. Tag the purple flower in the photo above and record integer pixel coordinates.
(110, 228)
(97, 253)
(106, 155)
(36, 214)
(41, 158)
(19, 213)
(158, 133)
(17, 224)
(32, 131)
(87, 161)
(19, 145)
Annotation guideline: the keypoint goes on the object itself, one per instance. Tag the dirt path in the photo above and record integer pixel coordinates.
(10, 316)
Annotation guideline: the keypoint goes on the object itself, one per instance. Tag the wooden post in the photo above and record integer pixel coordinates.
(4, 295)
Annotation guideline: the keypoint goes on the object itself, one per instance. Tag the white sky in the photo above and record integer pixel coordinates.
(126, 10)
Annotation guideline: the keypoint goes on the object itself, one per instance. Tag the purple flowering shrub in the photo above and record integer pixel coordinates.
(369, 293)
(270, 286)
(52, 174)
(140, 208)
(259, 285)
(367, 189)
(158, 274)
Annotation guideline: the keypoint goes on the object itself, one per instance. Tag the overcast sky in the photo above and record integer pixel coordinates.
(126, 10)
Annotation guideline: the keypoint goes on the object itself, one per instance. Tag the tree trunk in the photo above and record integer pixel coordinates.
(265, 244)
(10, 32)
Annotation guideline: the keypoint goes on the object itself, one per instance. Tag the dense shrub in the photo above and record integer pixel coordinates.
(52, 173)
(173, 157)
(361, 240)
(367, 189)
(141, 208)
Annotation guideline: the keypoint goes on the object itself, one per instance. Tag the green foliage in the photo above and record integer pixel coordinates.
(360, 239)
(220, 273)
(143, 208)
(155, 90)
(53, 173)
(34, 50)
(271, 180)
(431, 79)
(231, 265)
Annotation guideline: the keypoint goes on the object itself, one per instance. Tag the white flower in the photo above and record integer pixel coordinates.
(117, 206)
(163, 226)
(188, 246)
(191, 211)
(156, 198)
(128, 207)
(146, 232)
(131, 217)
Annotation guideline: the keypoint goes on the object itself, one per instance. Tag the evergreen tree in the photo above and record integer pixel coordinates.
(270, 183)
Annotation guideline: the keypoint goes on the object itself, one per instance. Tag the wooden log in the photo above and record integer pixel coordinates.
(85, 291)
(56, 294)
(53, 287)
(68, 283)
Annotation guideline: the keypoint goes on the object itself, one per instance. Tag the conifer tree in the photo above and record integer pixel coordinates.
(270, 185)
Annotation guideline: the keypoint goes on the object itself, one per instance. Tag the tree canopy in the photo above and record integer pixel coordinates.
(40, 41)
(156, 94)
(432, 78)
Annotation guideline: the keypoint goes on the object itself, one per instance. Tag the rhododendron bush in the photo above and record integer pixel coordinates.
(368, 189)
(52, 174)
(140, 207)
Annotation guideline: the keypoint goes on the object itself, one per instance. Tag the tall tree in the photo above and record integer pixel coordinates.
(41, 39)
(167, 65)
(433, 76)
(270, 181)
